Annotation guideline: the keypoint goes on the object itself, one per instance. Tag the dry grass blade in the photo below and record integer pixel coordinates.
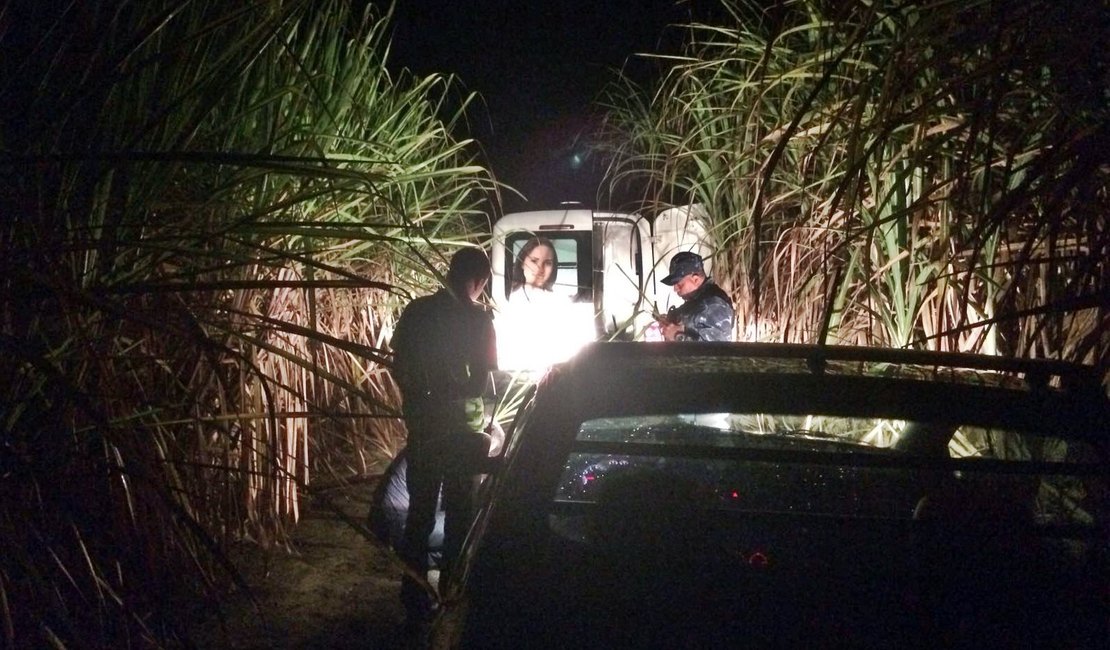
(935, 161)
(215, 212)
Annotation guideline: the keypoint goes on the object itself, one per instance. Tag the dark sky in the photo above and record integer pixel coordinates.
(538, 65)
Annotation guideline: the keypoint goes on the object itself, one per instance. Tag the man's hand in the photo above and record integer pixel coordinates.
(670, 330)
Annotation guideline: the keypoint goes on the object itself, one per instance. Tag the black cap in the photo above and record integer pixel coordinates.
(683, 264)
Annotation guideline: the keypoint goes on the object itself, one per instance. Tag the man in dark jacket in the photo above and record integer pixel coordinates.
(444, 351)
(706, 313)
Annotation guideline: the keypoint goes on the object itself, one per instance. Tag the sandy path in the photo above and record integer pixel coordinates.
(337, 591)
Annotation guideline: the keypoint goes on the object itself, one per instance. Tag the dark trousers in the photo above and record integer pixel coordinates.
(437, 464)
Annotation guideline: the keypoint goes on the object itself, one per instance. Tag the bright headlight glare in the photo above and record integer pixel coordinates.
(535, 335)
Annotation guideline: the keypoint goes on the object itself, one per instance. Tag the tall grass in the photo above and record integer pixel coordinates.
(210, 212)
(899, 174)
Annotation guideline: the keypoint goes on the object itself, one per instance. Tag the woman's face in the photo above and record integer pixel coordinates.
(538, 266)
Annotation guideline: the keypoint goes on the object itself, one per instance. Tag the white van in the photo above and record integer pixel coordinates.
(609, 267)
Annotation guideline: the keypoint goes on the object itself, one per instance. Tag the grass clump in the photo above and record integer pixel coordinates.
(211, 212)
(927, 175)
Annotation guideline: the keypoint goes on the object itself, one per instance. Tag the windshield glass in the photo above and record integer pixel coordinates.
(836, 466)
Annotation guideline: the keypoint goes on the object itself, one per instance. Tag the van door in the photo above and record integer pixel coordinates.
(622, 295)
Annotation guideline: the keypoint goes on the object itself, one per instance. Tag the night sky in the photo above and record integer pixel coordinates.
(538, 67)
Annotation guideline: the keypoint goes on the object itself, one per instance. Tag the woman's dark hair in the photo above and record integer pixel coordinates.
(518, 264)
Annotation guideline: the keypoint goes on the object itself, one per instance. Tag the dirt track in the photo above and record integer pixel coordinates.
(337, 591)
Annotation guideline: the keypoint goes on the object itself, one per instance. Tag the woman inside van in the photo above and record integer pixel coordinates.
(539, 327)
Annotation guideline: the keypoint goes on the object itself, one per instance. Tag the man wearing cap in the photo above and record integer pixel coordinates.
(706, 313)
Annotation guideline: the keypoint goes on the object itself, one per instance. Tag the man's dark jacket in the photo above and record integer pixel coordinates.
(444, 350)
(707, 315)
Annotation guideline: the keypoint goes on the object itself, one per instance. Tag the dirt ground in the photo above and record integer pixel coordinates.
(337, 590)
